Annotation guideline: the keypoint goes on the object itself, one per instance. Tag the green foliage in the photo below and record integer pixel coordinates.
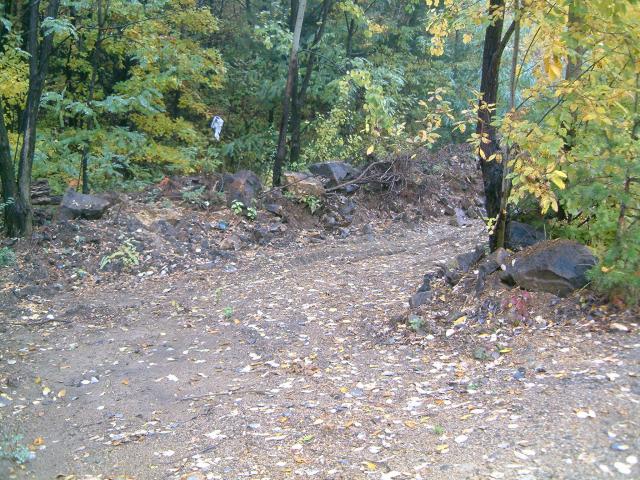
(415, 322)
(12, 448)
(240, 208)
(2, 207)
(227, 312)
(251, 213)
(196, 197)
(126, 255)
(312, 202)
(237, 207)
(619, 272)
(7, 257)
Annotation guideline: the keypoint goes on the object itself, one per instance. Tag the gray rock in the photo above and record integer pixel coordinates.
(420, 298)
(367, 229)
(335, 172)
(262, 234)
(462, 264)
(274, 208)
(302, 184)
(347, 206)
(243, 186)
(329, 220)
(343, 232)
(231, 243)
(79, 205)
(497, 260)
(460, 218)
(557, 267)
(520, 235)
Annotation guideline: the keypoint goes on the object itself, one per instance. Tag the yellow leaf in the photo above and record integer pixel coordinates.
(558, 181)
(46, 391)
(505, 350)
(410, 424)
(466, 38)
(38, 441)
(553, 67)
(62, 393)
(443, 448)
(370, 150)
(460, 320)
(371, 466)
(125, 381)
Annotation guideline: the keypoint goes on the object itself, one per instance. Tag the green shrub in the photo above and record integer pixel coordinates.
(7, 257)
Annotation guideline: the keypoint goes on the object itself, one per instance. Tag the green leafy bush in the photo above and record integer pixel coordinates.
(7, 257)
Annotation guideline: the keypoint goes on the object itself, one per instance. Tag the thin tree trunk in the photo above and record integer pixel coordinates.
(8, 176)
(574, 66)
(492, 170)
(22, 222)
(501, 227)
(286, 100)
(95, 57)
(299, 96)
(351, 30)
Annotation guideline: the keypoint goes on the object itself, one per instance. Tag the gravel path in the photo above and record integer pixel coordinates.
(287, 364)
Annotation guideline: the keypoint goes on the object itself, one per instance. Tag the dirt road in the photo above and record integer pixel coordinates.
(287, 364)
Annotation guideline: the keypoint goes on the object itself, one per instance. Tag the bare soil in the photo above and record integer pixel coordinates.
(295, 361)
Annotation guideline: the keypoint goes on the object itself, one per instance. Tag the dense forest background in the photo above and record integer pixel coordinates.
(116, 94)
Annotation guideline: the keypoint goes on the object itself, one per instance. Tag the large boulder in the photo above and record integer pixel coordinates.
(244, 186)
(557, 266)
(303, 184)
(80, 205)
(334, 172)
(520, 235)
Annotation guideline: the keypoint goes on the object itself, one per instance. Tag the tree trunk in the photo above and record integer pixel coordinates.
(299, 96)
(95, 57)
(20, 218)
(501, 226)
(491, 169)
(12, 214)
(286, 100)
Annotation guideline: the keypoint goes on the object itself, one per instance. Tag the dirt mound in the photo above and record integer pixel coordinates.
(183, 224)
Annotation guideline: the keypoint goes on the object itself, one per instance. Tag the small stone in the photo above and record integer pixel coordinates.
(520, 373)
(461, 439)
(618, 327)
(623, 468)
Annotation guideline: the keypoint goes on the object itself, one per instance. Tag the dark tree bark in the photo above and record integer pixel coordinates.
(8, 176)
(351, 30)
(102, 13)
(19, 216)
(492, 170)
(501, 226)
(286, 100)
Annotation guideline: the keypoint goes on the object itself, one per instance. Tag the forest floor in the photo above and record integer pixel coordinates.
(291, 365)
